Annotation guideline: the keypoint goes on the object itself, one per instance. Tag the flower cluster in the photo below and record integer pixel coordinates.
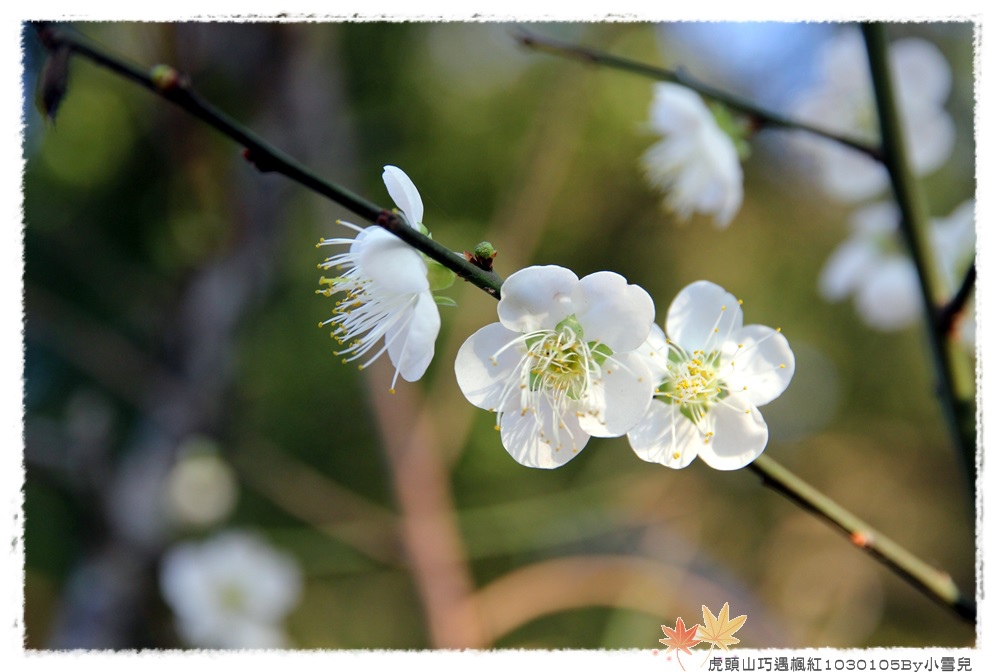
(231, 591)
(883, 281)
(571, 358)
(574, 358)
(384, 288)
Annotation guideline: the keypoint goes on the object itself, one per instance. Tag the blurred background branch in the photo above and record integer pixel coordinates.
(955, 385)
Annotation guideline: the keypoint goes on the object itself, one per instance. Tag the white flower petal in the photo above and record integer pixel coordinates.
(676, 109)
(666, 437)
(613, 312)
(392, 264)
(762, 368)
(696, 164)
(481, 380)
(739, 435)
(954, 239)
(410, 342)
(920, 72)
(876, 220)
(847, 268)
(182, 580)
(703, 316)
(404, 194)
(621, 397)
(890, 298)
(537, 297)
(654, 352)
(850, 176)
(930, 138)
(540, 438)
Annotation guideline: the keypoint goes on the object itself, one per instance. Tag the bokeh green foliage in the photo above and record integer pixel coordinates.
(128, 202)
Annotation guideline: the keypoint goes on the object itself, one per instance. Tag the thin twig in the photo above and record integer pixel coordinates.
(171, 85)
(759, 116)
(948, 315)
(934, 582)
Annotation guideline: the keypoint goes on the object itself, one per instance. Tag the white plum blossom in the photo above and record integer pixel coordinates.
(696, 164)
(384, 293)
(843, 101)
(560, 366)
(231, 591)
(711, 373)
(883, 281)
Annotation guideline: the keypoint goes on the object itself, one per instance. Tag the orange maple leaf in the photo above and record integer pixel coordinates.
(719, 631)
(679, 638)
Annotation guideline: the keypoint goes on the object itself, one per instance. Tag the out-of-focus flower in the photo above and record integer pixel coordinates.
(560, 366)
(882, 280)
(711, 376)
(696, 163)
(231, 592)
(843, 102)
(386, 290)
(201, 487)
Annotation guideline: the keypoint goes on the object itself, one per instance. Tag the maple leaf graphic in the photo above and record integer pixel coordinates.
(719, 631)
(679, 638)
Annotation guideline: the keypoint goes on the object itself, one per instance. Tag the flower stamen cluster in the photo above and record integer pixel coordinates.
(558, 365)
(363, 315)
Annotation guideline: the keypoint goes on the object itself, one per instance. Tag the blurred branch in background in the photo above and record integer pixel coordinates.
(956, 388)
(759, 116)
(181, 388)
(948, 315)
(323, 504)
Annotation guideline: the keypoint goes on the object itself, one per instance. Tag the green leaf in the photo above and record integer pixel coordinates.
(438, 276)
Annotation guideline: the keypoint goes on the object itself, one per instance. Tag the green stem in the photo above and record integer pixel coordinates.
(935, 583)
(955, 391)
(758, 115)
(169, 84)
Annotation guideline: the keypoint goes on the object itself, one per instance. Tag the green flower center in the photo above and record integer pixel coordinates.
(692, 382)
(232, 598)
(561, 361)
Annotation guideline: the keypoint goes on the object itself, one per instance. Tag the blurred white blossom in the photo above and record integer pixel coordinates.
(696, 164)
(843, 102)
(231, 591)
(711, 374)
(201, 487)
(882, 279)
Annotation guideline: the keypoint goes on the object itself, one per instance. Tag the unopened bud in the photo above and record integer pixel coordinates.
(164, 77)
(482, 256)
(485, 250)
